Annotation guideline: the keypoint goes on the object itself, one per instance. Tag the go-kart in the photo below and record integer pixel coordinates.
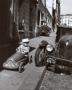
(19, 58)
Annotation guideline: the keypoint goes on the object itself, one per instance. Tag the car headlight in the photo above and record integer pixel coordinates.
(49, 48)
(67, 43)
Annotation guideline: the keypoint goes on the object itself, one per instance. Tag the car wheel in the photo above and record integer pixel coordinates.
(30, 61)
(21, 67)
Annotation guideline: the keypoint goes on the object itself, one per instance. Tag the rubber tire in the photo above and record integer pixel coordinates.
(31, 60)
(37, 62)
(20, 68)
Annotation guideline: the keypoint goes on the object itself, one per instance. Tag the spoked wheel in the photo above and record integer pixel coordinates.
(40, 57)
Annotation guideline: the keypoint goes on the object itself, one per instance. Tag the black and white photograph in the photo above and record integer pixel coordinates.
(35, 44)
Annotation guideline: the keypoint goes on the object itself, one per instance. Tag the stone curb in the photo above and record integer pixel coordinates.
(33, 79)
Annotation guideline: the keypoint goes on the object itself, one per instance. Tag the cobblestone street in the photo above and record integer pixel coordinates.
(53, 81)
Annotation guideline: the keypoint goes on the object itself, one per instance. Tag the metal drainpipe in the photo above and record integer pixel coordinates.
(36, 8)
(17, 15)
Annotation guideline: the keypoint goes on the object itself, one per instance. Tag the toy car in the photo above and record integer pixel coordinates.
(19, 58)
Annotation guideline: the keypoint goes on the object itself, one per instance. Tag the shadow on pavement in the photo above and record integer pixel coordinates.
(57, 70)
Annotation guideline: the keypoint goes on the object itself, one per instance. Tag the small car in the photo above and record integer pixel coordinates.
(20, 57)
(44, 30)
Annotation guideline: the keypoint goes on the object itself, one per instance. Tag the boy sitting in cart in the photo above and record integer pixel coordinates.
(20, 57)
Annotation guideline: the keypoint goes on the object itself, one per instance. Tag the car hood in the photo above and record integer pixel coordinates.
(66, 38)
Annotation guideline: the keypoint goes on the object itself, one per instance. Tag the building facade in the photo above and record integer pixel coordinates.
(40, 15)
(22, 16)
(56, 13)
(66, 20)
(32, 13)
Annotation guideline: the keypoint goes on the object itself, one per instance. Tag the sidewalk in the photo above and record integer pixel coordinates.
(35, 74)
(36, 41)
(31, 77)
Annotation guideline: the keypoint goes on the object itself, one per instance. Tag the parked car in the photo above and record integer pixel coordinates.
(60, 56)
(19, 58)
(44, 30)
(64, 53)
